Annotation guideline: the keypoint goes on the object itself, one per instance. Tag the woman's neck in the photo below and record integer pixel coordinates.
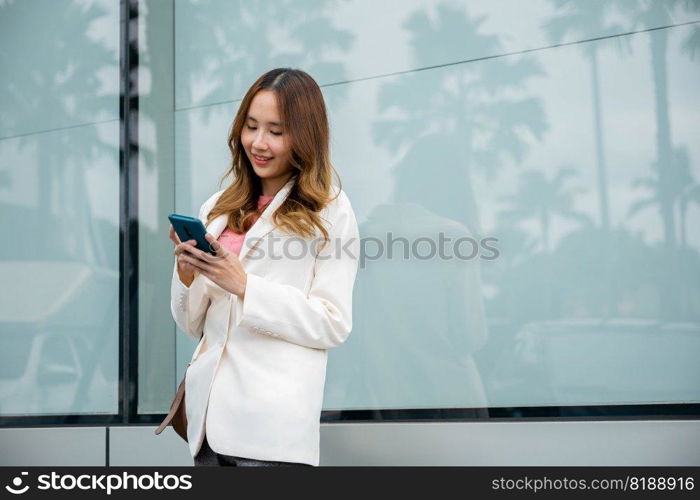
(270, 187)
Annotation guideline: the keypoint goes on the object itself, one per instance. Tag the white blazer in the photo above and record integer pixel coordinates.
(256, 378)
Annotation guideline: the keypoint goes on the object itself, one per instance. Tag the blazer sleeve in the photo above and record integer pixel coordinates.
(189, 305)
(322, 318)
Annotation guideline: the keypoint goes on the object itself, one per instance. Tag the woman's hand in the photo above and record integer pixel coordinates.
(223, 268)
(186, 271)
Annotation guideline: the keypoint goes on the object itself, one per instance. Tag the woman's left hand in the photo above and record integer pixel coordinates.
(223, 268)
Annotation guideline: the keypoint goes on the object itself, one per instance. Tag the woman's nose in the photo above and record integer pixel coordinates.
(259, 143)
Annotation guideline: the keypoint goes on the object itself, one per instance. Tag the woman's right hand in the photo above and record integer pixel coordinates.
(186, 271)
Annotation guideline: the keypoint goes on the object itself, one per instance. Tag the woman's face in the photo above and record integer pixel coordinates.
(263, 137)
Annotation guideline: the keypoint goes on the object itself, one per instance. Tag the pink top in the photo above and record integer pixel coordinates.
(233, 241)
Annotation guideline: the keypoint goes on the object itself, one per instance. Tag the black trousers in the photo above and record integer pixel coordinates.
(208, 457)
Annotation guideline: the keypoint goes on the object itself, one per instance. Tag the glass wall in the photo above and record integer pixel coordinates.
(59, 207)
(561, 176)
(580, 159)
(525, 176)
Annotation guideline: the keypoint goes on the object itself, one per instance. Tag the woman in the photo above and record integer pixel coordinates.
(278, 292)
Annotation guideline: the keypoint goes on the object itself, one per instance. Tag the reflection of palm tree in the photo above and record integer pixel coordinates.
(683, 191)
(692, 44)
(244, 51)
(689, 193)
(470, 116)
(648, 14)
(587, 19)
(72, 78)
(540, 198)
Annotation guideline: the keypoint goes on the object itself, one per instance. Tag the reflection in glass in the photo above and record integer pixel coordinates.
(562, 155)
(59, 193)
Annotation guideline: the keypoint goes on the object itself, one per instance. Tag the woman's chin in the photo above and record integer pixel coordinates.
(263, 171)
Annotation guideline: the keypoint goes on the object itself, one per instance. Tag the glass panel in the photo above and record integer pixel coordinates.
(59, 199)
(592, 298)
(468, 121)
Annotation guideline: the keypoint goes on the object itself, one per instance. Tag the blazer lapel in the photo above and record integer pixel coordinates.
(217, 226)
(262, 225)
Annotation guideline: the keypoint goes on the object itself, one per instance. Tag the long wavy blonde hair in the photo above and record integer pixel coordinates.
(303, 112)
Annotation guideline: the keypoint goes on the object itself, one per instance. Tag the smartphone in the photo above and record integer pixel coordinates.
(190, 228)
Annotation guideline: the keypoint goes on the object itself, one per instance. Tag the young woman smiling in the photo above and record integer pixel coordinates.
(278, 292)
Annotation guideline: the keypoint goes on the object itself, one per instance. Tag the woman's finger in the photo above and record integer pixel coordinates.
(201, 255)
(197, 263)
(173, 236)
(185, 263)
(182, 248)
(187, 246)
(219, 250)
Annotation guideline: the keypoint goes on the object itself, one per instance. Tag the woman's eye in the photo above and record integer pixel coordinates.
(255, 128)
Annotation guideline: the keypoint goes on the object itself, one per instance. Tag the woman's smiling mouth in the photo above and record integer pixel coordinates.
(262, 160)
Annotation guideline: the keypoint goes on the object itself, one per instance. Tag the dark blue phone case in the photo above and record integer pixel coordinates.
(190, 228)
